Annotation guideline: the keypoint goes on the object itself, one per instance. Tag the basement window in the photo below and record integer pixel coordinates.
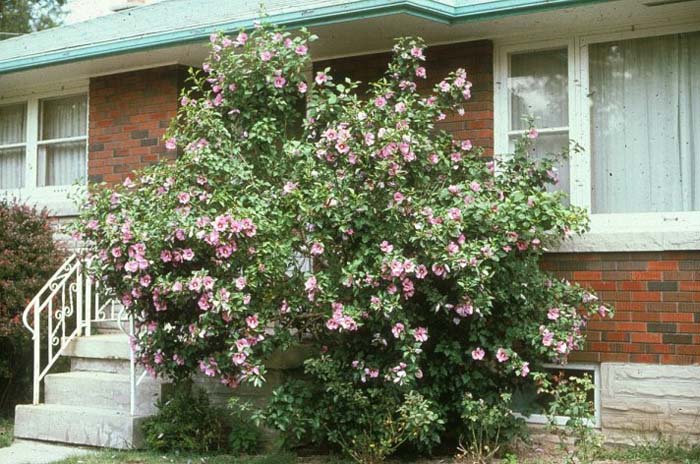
(532, 406)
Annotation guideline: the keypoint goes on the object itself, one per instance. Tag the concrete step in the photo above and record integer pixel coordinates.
(108, 346)
(107, 327)
(78, 425)
(102, 390)
(109, 366)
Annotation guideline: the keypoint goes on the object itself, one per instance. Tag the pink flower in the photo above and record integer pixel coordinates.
(455, 214)
(145, 281)
(417, 52)
(252, 321)
(380, 102)
(302, 87)
(301, 50)
(525, 369)
(183, 197)
(398, 197)
(116, 252)
(533, 134)
(478, 354)
(131, 266)
(502, 355)
(553, 314)
(547, 338)
(420, 334)
(171, 143)
(420, 72)
(386, 247)
(475, 186)
(421, 271)
(444, 86)
(321, 78)
(602, 310)
(241, 282)
(187, 254)
(289, 187)
(241, 39)
(317, 249)
(238, 358)
(279, 82)
(166, 256)
(266, 55)
(397, 329)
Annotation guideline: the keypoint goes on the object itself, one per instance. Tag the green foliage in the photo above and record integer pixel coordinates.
(186, 422)
(23, 16)
(244, 436)
(28, 258)
(6, 434)
(489, 425)
(425, 279)
(580, 442)
(656, 450)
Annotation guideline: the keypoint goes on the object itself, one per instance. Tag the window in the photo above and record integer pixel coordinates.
(645, 124)
(632, 101)
(538, 90)
(533, 406)
(13, 146)
(43, 148)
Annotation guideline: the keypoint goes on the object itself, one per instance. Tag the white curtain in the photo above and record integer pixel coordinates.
(12, 131)
(62, 163)
(646, 124)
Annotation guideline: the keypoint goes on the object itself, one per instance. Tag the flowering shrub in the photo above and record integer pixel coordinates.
(404, 256)
(28, 258)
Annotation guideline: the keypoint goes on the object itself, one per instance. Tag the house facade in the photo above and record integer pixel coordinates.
(91, 101)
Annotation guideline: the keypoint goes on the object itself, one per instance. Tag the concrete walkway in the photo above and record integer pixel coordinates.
(34, 452)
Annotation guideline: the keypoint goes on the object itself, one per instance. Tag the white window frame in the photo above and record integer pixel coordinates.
(541, 419)
(609, 232)
(58, 199)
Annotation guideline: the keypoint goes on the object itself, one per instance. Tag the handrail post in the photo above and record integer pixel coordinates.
(37, 354)
(132, 369)
(88, 305)
(79, 298)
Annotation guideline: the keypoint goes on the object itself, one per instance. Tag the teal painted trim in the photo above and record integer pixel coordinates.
(427, 9)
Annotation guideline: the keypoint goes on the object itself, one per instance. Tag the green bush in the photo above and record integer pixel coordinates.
(186, 422)
(28, 258)
(245, 435)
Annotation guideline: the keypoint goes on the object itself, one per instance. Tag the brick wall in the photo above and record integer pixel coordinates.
(475, 57)
(657, 302)
(129, 114)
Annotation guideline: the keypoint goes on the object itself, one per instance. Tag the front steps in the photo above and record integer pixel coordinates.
(90, 405)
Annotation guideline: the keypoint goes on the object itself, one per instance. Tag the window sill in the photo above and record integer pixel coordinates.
(637, 232)
(58, 200)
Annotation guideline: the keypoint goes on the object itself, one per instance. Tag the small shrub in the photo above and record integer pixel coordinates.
(580, 442)
(28, 258)
(244, 436)
(489, 425)
(186, 422)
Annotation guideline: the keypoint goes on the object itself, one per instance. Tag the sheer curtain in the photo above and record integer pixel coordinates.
(62, 163)
(12, 157)
(646, 124)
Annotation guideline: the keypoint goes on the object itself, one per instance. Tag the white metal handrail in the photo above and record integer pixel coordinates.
(69, 303)
(133, 381)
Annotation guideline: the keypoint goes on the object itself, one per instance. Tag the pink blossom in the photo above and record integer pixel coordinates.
(171, 143)
(417, 52)
(380, 102)
(420, 72)
(302, 87)
(525, 369)
(279, 82)
(321, 78)
(317, 249)
(420, 334)
(397, 329)
(444, 86)
(553, 314)
(266, 55)
(238, 358)
(533, 134)
(252, 321)
(475, 186)
(289, 187)
(455, 214)
(502, 355)
(398, 197)
(241, 283)
(421, 271)
(131, 266)
(603, 310)
(187, 254)
(301, 50)
(547, 338)
(386, 247)
(478, 354)
(145, 281)
(241, 39)
(183, 197)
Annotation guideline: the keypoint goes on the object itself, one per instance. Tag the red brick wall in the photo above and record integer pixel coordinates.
(475, 57)
(129, 114)
(657, 302)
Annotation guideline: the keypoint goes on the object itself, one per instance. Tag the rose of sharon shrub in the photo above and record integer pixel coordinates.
(424, 281)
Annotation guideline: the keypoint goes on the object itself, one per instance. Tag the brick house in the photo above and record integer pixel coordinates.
(621, 77)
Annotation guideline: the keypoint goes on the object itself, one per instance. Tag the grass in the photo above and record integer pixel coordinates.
(659, 451)
(145, 457)
(6, 427)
